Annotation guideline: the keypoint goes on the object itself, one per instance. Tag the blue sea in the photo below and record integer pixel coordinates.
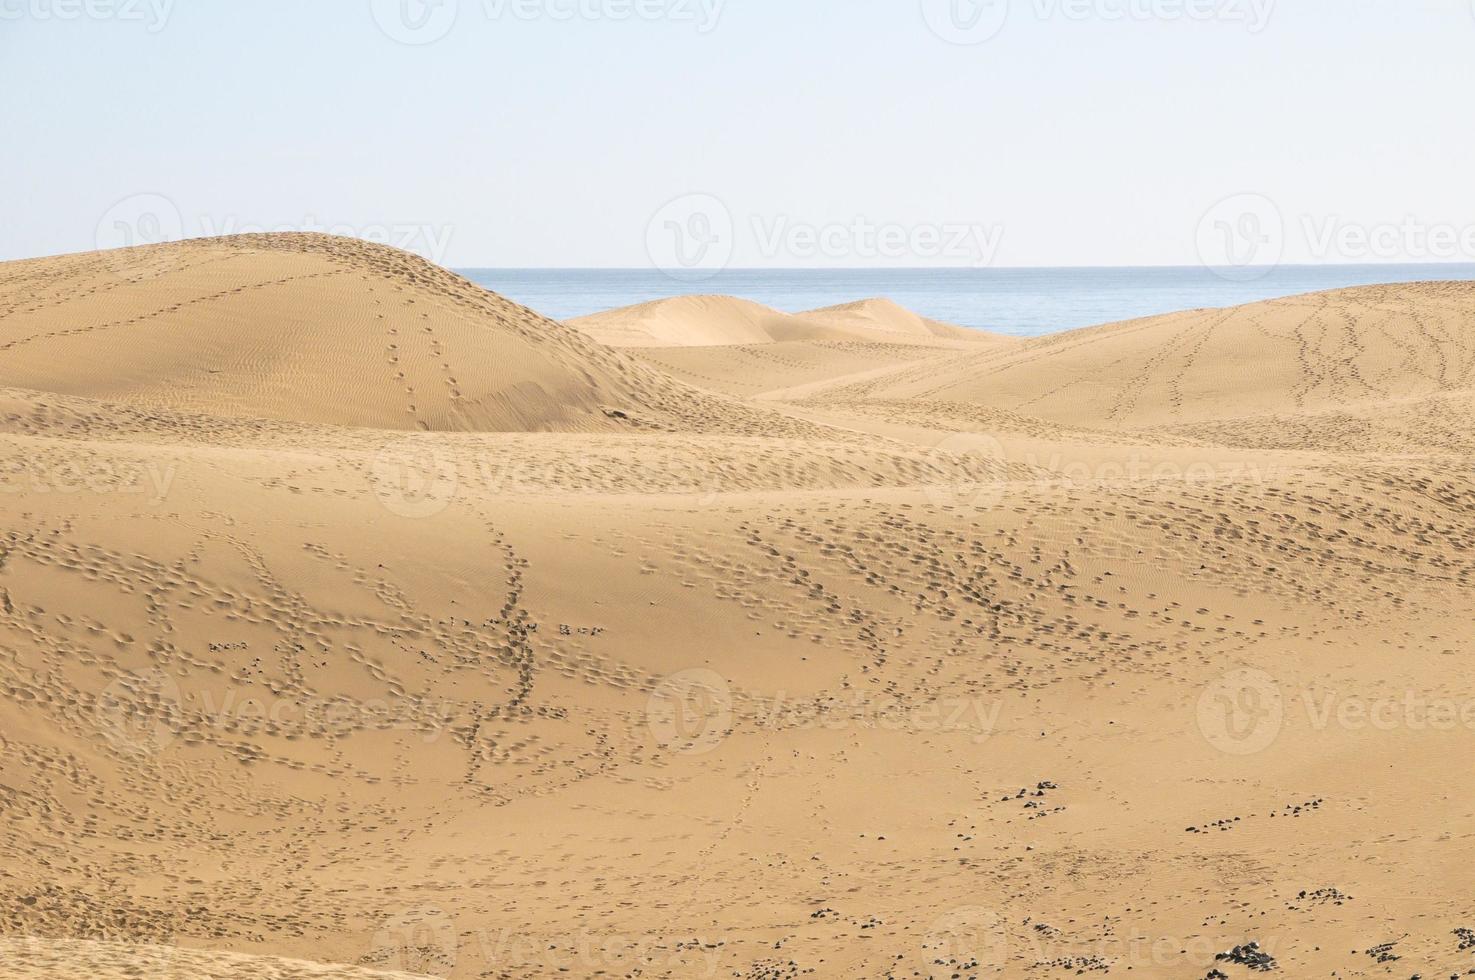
(1022, 302)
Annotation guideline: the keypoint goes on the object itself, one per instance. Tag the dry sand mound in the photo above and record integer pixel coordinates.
(884, 316)
(819, 675)
(1370, 346)
(709, 321)
(308, 328)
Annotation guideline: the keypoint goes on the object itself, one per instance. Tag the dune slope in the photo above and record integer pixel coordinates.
(830, 659)
(310, 328)
(1326, 352)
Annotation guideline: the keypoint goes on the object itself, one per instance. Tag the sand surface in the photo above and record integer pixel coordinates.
(350, 614)
(714, 321)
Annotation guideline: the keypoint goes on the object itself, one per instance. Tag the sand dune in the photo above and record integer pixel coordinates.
(1102, 653)
(308, 328)
(884, 316)
(1343, 350)
(709, 321)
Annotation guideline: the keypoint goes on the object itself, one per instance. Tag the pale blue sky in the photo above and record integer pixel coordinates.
(1086, 132)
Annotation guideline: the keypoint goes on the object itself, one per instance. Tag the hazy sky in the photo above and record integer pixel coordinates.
(750, 132)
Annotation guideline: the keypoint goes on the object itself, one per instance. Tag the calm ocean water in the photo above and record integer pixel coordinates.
(1023, 302)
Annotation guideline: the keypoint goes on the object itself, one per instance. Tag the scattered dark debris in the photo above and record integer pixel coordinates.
(1226, 824)
(1322, 896)
(1384, 953)
(1035, 799)
(1250, 955)
(1079, 964)
(1466, 938)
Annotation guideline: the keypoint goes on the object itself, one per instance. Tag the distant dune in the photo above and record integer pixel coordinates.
(710, 321)
(352, 614)
(884, 316)
(1347, 349)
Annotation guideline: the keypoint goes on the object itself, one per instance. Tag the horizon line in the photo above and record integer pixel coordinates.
(964, 268)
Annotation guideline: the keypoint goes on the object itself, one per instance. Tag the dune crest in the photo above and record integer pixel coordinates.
(308, 328)
(886, 316)
(712, 321)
